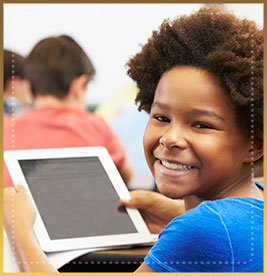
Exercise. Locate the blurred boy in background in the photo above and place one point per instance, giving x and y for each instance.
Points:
(59, 72)
(17, 89)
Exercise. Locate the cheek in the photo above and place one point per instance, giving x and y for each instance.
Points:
(146, 141)
(218, 152)
(149, 143)
(208, 150)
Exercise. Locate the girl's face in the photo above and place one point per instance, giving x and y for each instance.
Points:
(192, 143)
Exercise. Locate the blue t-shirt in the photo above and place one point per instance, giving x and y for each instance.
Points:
(224, 235)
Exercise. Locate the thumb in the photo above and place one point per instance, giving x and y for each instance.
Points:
(20, 188)
(139, 199)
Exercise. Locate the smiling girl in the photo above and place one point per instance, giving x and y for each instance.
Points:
(200, 78)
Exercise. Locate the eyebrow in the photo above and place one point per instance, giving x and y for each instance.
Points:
(194, 111)
(159, 105)
(207, 113)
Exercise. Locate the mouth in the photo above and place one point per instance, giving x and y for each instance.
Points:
(175, 165)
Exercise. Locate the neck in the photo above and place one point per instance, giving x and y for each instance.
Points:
(52, 101)
(244, 187)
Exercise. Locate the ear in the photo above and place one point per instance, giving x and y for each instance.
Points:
(78, 86)
(255, 152)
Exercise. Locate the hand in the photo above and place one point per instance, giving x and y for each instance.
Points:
(19, 211)
(19, 217)
(156, 209)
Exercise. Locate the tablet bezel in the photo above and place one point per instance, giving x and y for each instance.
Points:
(143, 235)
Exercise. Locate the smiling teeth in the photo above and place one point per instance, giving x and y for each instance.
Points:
(174, 166)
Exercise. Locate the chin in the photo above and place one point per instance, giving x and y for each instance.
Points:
(169, 193)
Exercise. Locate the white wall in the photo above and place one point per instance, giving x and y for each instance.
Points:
(109, 33)
(250, 11)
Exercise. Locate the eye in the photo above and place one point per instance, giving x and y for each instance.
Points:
(203, 125)
(161, 118)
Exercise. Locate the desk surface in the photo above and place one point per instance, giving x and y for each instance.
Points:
(119, 260)
(140, 250)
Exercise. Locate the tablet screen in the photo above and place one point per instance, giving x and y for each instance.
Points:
(75, 197)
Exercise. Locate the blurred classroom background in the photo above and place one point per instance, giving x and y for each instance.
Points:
(110, 34)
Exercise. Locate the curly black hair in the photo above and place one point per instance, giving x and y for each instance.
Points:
(229, 48)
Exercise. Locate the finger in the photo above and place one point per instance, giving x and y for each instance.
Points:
(20, 188)
(132, 202)
(127, 203)
(140, 199)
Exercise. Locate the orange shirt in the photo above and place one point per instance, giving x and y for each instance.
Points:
(51, 127)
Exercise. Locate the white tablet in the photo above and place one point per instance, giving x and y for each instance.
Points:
(76, 192)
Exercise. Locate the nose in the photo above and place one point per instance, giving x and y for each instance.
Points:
(173, 138)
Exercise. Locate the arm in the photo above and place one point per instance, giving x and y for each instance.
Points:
(19, 217)
(156, 209)
(144, 268)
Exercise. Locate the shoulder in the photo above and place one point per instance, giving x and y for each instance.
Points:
(12, 120)
(90, 116)
(189, 238)
(211, 232)
(28, 114)
(225, 213)
(214, 224)
(7, 120)
(82, 119)
(199, 228)
(205, 220)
